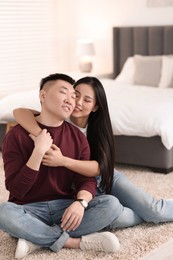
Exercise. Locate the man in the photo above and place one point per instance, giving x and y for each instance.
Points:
(53, 207)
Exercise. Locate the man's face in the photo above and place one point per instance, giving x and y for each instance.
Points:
(58, 99)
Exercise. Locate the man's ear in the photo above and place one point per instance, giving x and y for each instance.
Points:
(42, 95)
(95, 108)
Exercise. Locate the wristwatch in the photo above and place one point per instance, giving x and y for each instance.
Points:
(84, 203)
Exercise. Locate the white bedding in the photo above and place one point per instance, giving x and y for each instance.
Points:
(134, 110)
(27, 99)
(141, 110)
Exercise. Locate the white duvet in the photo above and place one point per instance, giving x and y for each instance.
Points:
(134, 110)
(141, 110)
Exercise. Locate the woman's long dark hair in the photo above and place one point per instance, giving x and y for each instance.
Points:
(100, 134)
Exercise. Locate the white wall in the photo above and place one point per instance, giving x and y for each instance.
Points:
(94, 19)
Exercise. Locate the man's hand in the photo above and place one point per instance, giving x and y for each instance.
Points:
(53, 157)
(72, 216)
(43, 141)
(42, 144)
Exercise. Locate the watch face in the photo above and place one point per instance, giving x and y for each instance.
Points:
(85, 204)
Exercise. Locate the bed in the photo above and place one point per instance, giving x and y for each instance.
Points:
(153, 41)
(132, 96)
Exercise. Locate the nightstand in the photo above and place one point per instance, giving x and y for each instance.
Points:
(9, 125)
(2, 131)
(4, 128)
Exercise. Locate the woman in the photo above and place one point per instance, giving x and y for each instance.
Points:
(91, 115)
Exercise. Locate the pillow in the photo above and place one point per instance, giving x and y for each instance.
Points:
(127, 73)
(166, 80)
(147, 70)
(27, 99)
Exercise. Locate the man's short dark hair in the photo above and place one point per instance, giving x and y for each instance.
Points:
(56, 76)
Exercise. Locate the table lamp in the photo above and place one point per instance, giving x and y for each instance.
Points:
(85, 51)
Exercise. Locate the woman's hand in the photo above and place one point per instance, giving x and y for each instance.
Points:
(53, 157)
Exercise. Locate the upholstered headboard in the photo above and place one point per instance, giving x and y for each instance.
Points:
(144, 40)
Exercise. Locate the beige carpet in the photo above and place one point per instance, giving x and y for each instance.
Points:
(135, 242)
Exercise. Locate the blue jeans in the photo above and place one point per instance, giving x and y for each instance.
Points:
(40, 222)
(144, 206)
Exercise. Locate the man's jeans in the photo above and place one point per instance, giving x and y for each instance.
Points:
(40, 222)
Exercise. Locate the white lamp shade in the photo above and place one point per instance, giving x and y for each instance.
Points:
(85, 48)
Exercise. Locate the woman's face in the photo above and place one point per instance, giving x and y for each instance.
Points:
(85, 101)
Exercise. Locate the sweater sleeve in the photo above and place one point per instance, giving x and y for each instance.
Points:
(19, 178)
(86, 183)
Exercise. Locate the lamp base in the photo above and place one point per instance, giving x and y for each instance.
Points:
(85, 66)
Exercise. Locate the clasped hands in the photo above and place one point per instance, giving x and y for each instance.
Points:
(52, 156)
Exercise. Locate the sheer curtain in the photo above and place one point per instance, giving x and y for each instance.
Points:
(28, 48)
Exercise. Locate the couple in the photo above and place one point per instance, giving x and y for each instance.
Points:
(56, 206)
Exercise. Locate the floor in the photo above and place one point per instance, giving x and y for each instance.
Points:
(164, 252)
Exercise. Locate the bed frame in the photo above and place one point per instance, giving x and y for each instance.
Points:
(144, 40)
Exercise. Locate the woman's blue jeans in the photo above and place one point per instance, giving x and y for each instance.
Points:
(143, 205)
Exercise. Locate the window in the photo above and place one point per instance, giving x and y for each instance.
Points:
(27, 43)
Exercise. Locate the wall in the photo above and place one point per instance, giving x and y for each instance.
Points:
(94, 19)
